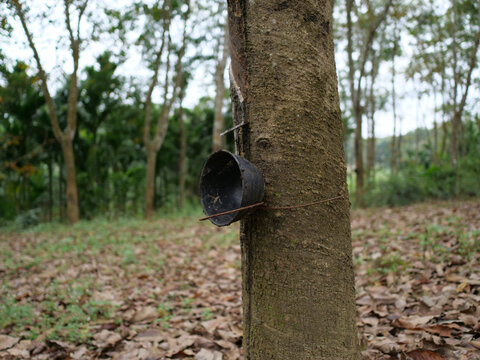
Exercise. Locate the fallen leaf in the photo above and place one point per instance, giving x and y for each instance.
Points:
(462, 286)
(180, 344)
(147, 313)
(153, 335)
(205, 354)
(424, 355)
(79, 353)
(106, 338)
(411, 322)
(442, 330)
(7, 342)
(19, 353)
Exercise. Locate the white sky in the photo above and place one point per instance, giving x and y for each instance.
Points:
(410, 112)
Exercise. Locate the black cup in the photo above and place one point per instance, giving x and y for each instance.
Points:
(229, 182)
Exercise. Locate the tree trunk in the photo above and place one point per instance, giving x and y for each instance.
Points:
(71, 191)
(359, 170)
(435, 129)
(183, 151)
(371, 124)
(298, 283)
(65, 137)
(150, 183)
(218, 122)
(444, 137)
(61, 208)
(371, 150)
(393, 159)
(455, 118)
(50, 186)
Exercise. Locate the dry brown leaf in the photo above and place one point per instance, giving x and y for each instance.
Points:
(424, 355)
(475, 343)
(19, 353)
(372, 321)
(205, 354)
(442, 330)
(106, 338)
(211, 325)
(470, 320)
(462, 286)
(7, 342)
(411, 322)
(61, 344)
(152, 335)
(180, 344)
(387, 346)
(147, 313)
(79, 353)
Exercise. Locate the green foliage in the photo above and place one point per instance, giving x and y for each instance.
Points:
(415, 183)
(399, 189)
(28, 218)
(419, 177)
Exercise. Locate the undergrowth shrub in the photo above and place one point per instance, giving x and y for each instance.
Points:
(414, 183)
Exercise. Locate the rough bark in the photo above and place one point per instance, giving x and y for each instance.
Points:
(218, 122)
(298, 284)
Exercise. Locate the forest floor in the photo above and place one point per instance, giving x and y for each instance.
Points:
(171, 288)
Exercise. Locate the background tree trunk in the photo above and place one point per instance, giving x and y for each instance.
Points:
(70, 174)
(150, 182)
(50, 185)
(298, 284)
(394, 145)
(153, 145)
(65, 137)
(218, 122)
(183, 152)
(359, 170)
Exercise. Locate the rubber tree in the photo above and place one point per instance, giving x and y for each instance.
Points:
(155, 131)
(218, 121)
(298, 282)
(358, 53)
(73, 22)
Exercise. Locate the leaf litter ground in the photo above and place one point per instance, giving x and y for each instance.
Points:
(171, 288)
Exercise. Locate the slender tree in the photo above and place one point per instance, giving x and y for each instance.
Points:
(165, 14)
(459, 106)
(298, 284)
(222, 56)
(394, 144)
(182, 166)
(357, 71)
(64, 137)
